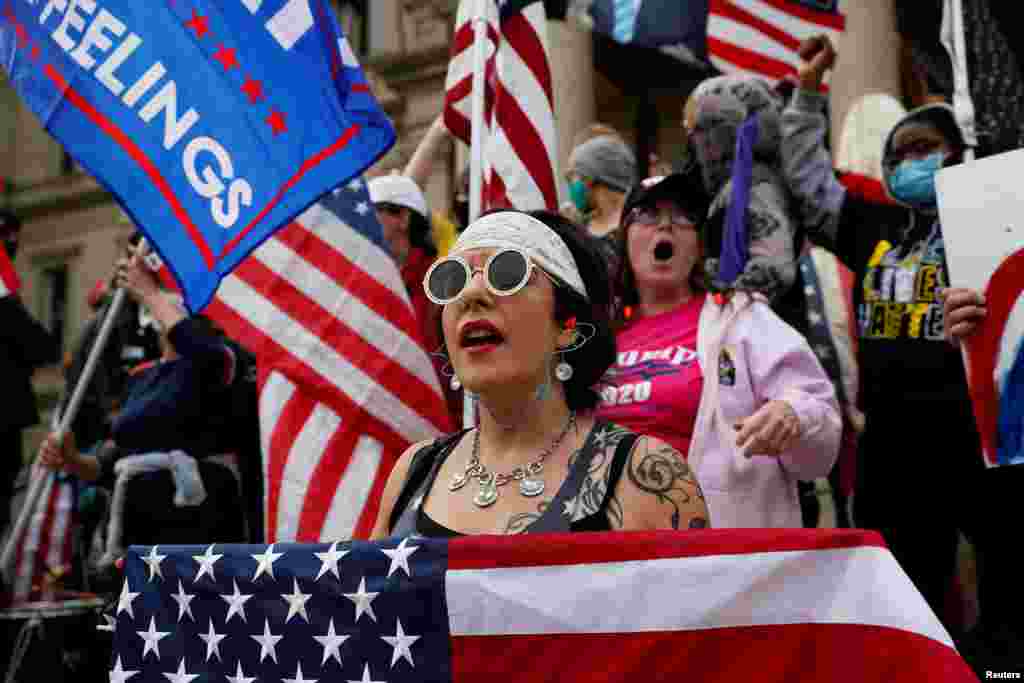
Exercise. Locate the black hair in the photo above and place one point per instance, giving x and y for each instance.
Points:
(591, 361)
(419, 233)
(628, 296)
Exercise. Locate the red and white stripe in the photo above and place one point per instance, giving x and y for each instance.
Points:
(520, 138)
(345, 383)
(9, 281)
(761, 37)
(732, 605)
(47, 540)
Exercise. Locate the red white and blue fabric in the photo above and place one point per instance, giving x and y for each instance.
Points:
(191, 113)
(761, 37)
(46, 543)
(345, 383)
(520, 137)
(995, 365)
(10, 283)
(768, 605)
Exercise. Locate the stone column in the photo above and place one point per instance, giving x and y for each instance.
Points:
(572, 65)
(869, 57)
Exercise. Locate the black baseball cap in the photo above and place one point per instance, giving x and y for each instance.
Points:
(685, 189)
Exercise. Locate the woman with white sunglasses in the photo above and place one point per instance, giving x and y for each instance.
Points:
(720, 378)
(526, 331)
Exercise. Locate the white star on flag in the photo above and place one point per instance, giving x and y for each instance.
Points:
(206, 561)
(331, 641)
(240, 677)
(266, 562)
(119, 675)
(268, 641)
(355, 185)
(298, 676)
(152, 639)
(362, 208)
(366, 676)
(153, 561)
(124, 603)
(296, 602)
(329, 561)
(212, 640)
(180, 676)
(184, 601)
(401, 643)
(400, 557)
(236, 603)
(362, 600)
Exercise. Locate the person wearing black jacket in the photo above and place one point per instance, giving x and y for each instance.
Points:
(24, 346)
(921, 478)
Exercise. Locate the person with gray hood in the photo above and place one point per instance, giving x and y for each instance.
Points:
(601, 171)
(920, 476)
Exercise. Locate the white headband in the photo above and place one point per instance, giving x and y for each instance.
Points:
(520, 231)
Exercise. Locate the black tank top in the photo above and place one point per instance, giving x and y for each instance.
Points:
(409, 519)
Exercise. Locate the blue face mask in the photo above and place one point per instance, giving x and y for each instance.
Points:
(579, 193)
(913, 181)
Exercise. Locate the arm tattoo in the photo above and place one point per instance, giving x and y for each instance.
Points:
(661, 472)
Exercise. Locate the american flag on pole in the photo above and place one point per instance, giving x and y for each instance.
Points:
(765, 605)
(345, 383)
(9, 281)
(46, 544)
(761, 37)
(520, 142)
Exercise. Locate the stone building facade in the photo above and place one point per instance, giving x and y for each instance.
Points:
(73, 230)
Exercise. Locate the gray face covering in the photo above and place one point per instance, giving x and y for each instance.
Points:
(723, 104)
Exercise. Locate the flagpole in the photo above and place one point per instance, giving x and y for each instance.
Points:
(476, 148)
(43, 480)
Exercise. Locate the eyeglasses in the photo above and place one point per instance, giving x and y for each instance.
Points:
(506, 272)
(393, 209)
(649, 215)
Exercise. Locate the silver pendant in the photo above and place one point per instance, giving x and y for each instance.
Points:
(487, 495)
(531, 487)
(459, 480)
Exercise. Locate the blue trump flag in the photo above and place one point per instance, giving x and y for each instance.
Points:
(212, 122)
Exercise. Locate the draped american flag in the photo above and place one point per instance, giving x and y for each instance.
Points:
(345, 383)
(46, 544)
(520, 138)
(767, 605)
(762, 36)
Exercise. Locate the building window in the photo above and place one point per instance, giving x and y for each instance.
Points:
(352, 15)
(55, 304)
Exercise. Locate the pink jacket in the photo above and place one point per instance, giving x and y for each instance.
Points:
(749, 356)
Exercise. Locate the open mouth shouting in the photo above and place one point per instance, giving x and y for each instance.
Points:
(479, 336)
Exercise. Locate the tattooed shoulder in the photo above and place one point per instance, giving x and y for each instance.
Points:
(662, 492)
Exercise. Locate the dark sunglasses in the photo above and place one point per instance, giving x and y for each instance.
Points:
(393, 209)
(506, 272)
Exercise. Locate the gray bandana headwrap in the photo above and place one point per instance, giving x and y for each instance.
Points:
(723, 104)
(608, 160)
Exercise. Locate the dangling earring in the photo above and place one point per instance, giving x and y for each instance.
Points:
(563, 371)
(454, 383)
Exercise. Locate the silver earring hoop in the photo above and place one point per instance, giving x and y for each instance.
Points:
(584, 332)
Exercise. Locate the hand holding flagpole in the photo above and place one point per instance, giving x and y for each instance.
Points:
(43, 480)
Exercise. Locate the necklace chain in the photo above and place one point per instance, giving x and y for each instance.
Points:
(530, 485)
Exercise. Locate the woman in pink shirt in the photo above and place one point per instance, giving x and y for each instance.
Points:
(719, 377)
